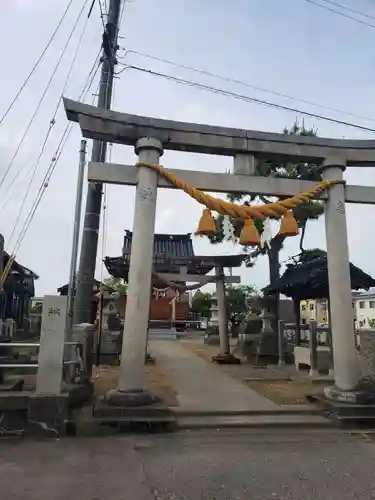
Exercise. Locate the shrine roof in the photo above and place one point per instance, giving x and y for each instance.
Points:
(118, 267)
(165, 245)
(18, 269)
(20, 279)
(309, 280)
(177, 250)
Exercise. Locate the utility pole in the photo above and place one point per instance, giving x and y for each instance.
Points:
(89, 246)
(76, 231)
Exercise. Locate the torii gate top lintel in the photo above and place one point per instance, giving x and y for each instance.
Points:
(122, 128)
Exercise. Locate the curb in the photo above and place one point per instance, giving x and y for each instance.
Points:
(181, 413)
(319, 424)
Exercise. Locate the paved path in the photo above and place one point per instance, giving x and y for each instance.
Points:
(190, 466)
(201, 386)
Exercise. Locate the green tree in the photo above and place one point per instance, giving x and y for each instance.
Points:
(311, 254)
(238, 298)
(118, 284)
(371, 322)
(303, 213)
(201, 304)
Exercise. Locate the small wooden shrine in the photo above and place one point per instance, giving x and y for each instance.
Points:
(308, 279)
(174, 263)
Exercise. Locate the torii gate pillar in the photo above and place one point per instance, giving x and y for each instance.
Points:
(346, 368)
(130, 391)
(223, 312)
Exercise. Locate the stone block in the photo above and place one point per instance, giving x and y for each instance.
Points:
(212, 339)
(78, 394)
(12, 385)
(48, 415)
(13, 423)
(359, 397)
(157, 413)
(366, 355)
(14, 400)
(350, 410)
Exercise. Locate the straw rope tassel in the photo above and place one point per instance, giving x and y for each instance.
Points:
(207, 226)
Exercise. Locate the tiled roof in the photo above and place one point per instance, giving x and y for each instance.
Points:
(18, 268)
(166, 246)
(309, 280)
(119, 266)
(364, 295)
(20, 279)
(171, 251)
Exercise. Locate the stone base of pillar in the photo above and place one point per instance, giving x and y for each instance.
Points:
(139, 397)
(354, 409)
(356, 397)
(129, 408)
(226, 359)
(319, 379)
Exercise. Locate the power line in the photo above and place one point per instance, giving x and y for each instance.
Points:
(246, 98)
(20, 143)
(334, 11)
(101, 13)
(90, 78)
(51, 123)
(87, 85)
(54, 162)
(34, 170)
(122, 13)
(355, 11)
(38, 61)
(244, 84)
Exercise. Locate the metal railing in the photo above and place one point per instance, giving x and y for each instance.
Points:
(26, 345)
(29, 344)
(311, 336)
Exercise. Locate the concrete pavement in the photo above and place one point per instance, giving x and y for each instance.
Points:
(236, 465)
(200, 386)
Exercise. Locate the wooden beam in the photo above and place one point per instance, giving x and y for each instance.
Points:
(113, 173)
(196, 278)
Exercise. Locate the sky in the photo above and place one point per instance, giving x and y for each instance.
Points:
(284, 46)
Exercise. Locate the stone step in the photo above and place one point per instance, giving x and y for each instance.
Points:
(161, 334)
(182, 412)
(10, 385)
(254, 421)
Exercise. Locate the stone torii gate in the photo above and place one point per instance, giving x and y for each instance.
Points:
(150, 137)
